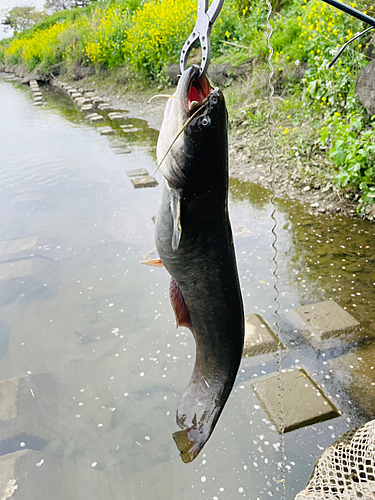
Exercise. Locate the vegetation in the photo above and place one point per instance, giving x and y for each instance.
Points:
(144, 37)
(21, 18)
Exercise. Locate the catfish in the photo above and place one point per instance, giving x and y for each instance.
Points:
(194, 243)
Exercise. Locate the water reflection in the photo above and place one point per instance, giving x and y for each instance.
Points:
(91, 332)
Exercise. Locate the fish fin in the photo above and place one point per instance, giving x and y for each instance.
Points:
(179, 306)
(175, 195)
(152, 259)
(189, 442)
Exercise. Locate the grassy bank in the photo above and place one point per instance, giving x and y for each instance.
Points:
(139, 40)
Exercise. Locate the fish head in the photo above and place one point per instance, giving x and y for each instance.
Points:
(192, 148)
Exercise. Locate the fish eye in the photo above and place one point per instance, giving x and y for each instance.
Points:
(206, 121)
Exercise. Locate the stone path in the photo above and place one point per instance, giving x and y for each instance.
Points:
(37, 94)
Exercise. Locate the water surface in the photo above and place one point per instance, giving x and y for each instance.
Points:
(80, 314)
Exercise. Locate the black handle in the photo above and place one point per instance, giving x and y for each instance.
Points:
(353, 12)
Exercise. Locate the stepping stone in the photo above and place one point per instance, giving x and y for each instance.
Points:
(33, 475)
(86, 108)
(19, 245)
(116, 116)
(105, 107)
(323, 321)
(17, 269)
(34, 87)
(75, 95)
(127, 130)
(106, 131)
(38, 98)
(143, 182)
(38, 93)
(72, 91)
(356, 371)
(90, 94)
(81, 101)
(259, 338)
(92, 115)
(28, 406)
(126, 126)
(139, 172)
(38, 103)
(122, 151)
(97, 100)
(302, 402)
(96, 119)
(33, 82)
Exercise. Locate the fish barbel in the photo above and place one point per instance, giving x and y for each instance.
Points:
(194, 243)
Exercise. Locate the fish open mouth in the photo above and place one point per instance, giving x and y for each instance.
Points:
(198, 90)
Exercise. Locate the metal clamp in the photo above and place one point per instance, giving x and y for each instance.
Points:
(202, 32)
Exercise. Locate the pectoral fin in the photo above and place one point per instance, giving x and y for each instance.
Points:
(175, 197)
(152, 259)
(179, 306)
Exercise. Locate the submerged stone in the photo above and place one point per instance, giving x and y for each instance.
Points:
(356, 370)
(18, 245)
(259, 338)
(16, 269)
(33, 475)
(127, 129)
(121, 151)
(143, 182)
(28, 406)
(292, 400)
(324, 320)
(138, 172)
(106, 131)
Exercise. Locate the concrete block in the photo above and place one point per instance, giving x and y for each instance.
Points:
(38, 98)
(37, 93)
(28, 412)
(356, 371)
(86, 108)
(259, 338)
(97, 119)
(127, 130)
(19, 245)
(139, 172)
(97, 100)
(122, 151)
(32, 475)
(38, 103)
(72, 90)
(106, 131)
(90, 94)
(81, 101)
(76, 95)
(324, 320)
(116, 116)
(16, 269)
(143, 182)
(302, 402)
(33, 82)
(105, 107)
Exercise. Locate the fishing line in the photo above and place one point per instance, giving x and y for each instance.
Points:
(271, 131)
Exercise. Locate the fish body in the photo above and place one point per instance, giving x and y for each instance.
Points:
(195, 244)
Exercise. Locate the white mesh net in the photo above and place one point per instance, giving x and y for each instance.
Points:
(346, 469)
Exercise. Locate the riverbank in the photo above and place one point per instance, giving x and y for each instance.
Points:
(302, 175)
(307, 177)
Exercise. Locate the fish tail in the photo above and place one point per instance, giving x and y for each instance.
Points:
(189, 442)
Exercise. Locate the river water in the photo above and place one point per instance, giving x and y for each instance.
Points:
(92, 332)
